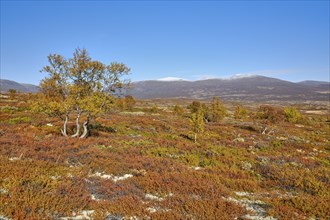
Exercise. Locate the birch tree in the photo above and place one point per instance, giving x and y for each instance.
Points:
(197, 123)
(79, 87)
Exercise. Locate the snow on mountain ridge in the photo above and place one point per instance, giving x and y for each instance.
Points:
(240, 76)
(168, 79)
(236, 76)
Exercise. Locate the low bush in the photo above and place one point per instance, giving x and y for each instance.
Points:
(19, 120)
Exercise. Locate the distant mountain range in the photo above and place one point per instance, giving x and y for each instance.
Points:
(250, 88)
(5, 85)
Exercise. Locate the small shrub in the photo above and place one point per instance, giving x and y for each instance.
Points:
(130, 102)
(205, 162)
(196, 106)
(270, 114)
(19, 120)
(163, 151)
(240, 112)
(292, 114)
(8, 109)
(120, 103)
(192, 159)
(126, 103)
(217, 111)
(99, 127)
(276, 144)
(12, 93)
(197, 123)
(178, 110)
(154, 109)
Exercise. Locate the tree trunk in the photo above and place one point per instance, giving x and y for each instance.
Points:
(195, 137)
(206, 120)
(64, 125)
(78, 125)
(85, 125)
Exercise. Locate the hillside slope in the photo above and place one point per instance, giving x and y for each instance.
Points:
(255, 88)
(6, 85)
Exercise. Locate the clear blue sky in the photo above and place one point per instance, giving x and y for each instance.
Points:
(186, 39)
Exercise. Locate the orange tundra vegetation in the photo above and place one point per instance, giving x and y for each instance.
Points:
(140, 163)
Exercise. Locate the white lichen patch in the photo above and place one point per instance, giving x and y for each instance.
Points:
(149, 196)
(112, 177)
(94, 197)
(153, 197)
(251, 205)
(255, 217)
(3, 191)
(196, 168)
(157, 209)
(151, 209)
(197, 197)
(255, 206)
(243, 194)
(83, 215)
(119, 178)
(54, 177)
(14, 158)
(4, 218)
(4, 96)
